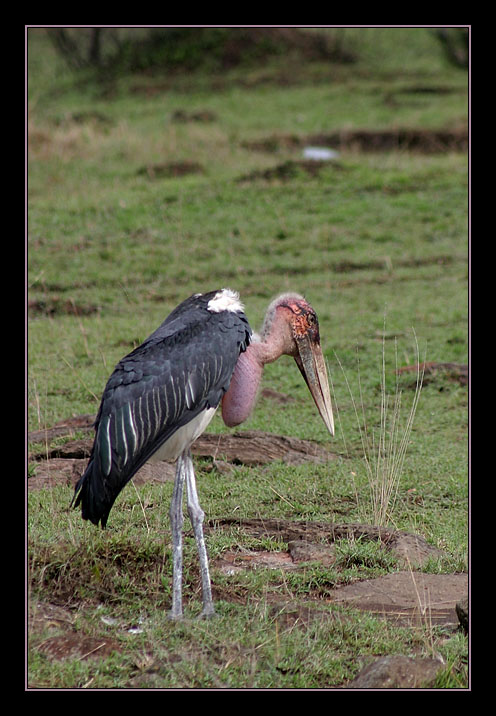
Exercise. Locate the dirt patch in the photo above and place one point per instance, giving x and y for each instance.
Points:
(75, 449)
(255, 447)
(76, 646)
(275, 143)
(58, 471)
(169, 170)
(52, 633)
(55, 472)
(64, 464)
(232, 562)
(60, 307)
(85, 117)
(408, 598)
(422, 141)
(182, 116)
(45, 616)
(64, 428)
(288, 170)
(410, 549)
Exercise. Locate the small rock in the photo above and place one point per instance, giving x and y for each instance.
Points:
(223, 467)
(413, 550)
(302, 551)
(234, 561)
(397, 672)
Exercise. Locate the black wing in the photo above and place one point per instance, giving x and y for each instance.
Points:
(182, 369)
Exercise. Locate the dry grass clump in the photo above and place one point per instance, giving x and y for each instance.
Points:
(72, 137)
(385, 447)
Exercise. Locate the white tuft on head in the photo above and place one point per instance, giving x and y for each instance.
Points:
(225, 300)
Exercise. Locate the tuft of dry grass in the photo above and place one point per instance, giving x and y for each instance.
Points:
(384, 448)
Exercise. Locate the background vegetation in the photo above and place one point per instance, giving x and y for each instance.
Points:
(163, 164)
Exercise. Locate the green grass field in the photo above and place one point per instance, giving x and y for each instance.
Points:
(119, 233)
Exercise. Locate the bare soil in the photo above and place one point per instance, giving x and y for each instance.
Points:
(423, 141)
(55, 306)
(408, 597)
(166, 170)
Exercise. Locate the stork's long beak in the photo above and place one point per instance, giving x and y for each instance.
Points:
(310, 361)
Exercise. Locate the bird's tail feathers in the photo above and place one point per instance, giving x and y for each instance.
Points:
(91, 494)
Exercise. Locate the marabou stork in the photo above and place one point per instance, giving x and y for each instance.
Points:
(162, 396)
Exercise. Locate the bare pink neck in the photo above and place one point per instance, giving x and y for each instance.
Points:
(239, 400)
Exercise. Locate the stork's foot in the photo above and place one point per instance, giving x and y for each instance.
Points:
(174, 616)
(208, 612)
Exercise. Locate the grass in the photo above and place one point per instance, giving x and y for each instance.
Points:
(111, 252)
(384, 449)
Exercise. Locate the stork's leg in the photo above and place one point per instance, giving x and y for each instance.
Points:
(196, 516)
(176, 518)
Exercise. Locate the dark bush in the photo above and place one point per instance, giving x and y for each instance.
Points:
(188, 49)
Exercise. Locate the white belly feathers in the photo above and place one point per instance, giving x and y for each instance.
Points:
(183, 437)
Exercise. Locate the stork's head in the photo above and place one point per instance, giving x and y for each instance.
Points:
(294, 319)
